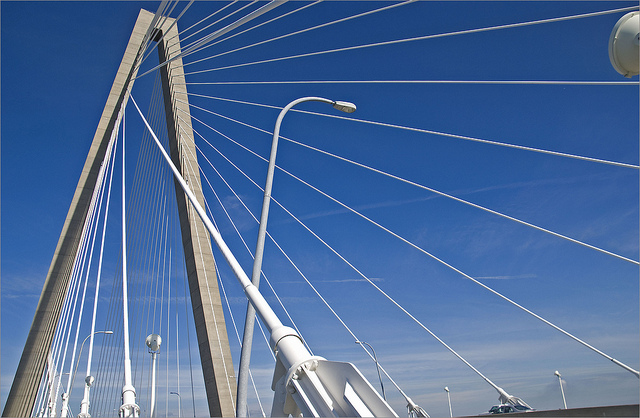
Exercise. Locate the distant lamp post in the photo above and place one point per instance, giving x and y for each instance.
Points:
(375, 358)
(153, 342)
(179, 403)
(109, 332)
(65, 403)
(564, 401)
(247, 338)
(446, 389)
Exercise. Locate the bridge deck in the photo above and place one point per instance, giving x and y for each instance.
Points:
(597, 411)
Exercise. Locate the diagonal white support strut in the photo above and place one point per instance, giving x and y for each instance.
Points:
(303, 383)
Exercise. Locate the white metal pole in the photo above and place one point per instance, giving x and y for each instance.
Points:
(179, 403)
(129, 407)
(75, 370)
(247, 338)
(153, 383)
(284, 340)
(564, 401)
(446, 389)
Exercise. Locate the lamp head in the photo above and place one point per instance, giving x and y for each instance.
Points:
(108, 332)
(557, 373)
(623, 45)
(153, 341)
(446, 388)
(346, 107)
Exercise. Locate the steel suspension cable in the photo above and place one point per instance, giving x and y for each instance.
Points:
(304, 6)
(314, 289)
(165, 32)
(240, 235)
(208, 38)
(180, 33)
(208, 26)
(64, 326)
(194, 172)
(441, 261)
(466, 202)
(104, 169)
(426, 131)
(220, 277)
(420, 38)
(302, 30)
(112, 148)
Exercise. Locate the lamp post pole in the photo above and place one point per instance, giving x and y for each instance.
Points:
(179, 403)
(153, 342)
(446, 389)
(564, 401)
(65, 402)
(247, 338)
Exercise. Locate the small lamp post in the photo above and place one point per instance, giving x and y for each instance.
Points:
(153, 342)
(446, 389)
(564, 401)
(179, 403)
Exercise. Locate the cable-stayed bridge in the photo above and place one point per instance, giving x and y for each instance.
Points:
(442, 209)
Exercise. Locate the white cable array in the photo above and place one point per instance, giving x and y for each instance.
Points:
(238, 232)
(180, 33)
(165, 32)
(419, 38)
(208, 38)
(69, 308)
(425, 131)
(102, 181)
(539, 228)
(293, 264)
(191, 215)
(199, 41)
(247, 30)
(297, 32)
(441, 261)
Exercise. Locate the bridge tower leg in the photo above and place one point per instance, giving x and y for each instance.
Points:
(211, 331)
(213, 343)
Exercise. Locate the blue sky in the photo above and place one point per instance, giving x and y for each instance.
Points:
(58, 63)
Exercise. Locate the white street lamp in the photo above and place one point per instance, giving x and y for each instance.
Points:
(247, 339)
(65, 402)
(153, 342)
(179, 403)
(446, 389)
(564, 401)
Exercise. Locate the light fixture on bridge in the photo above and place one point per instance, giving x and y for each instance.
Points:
(564, 401)
(153, 342)
(624, 44)
(247, 341)
(346, 107)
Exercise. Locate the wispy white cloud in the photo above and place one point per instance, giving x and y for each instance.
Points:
(515, 277)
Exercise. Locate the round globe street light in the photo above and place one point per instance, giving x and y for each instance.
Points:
(446, 389)
(564, 401)
(623, 45)
(247, 338)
